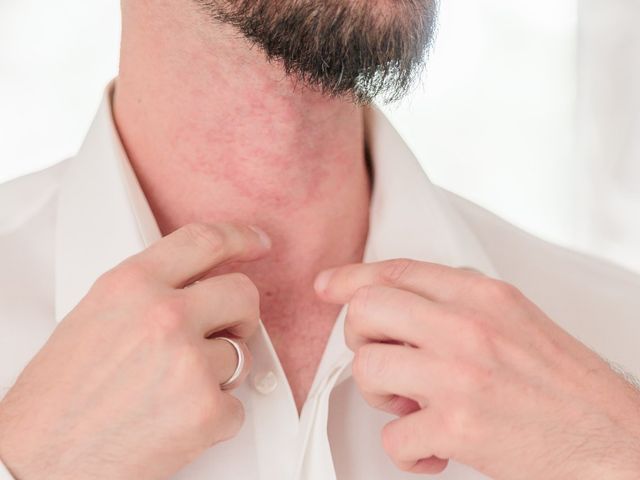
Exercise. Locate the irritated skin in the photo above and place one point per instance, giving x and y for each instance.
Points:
(217, 133)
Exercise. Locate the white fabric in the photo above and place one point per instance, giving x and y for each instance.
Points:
(4, 473)
(608, 120)
(62, 227)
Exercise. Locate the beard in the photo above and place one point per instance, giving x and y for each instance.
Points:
(361, 49)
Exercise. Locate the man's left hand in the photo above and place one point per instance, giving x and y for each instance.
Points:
(478, 374)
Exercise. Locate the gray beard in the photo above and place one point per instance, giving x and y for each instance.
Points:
(355, 48)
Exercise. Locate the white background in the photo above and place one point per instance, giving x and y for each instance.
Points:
(521, 109)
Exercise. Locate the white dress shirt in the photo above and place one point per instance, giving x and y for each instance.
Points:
(608, 125)
(62, 227)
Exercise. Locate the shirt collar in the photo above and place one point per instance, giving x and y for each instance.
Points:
(103, 216)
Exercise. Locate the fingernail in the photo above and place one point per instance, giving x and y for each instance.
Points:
(264, 238)
(322, 280)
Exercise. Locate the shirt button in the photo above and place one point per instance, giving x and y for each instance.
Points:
(265, 383)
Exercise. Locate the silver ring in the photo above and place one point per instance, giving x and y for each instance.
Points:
(239, 367)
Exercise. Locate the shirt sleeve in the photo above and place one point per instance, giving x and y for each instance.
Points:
(4, 473)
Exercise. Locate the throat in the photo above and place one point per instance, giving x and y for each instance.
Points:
(217, 133)
(317, 215)
(300, 340)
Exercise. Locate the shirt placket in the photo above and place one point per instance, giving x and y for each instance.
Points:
(291, 447)
(275, 414)
(314, 460)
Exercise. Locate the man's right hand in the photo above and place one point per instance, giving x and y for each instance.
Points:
(128, 385)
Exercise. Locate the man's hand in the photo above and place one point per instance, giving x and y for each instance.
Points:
(128, 386)
(479, 374)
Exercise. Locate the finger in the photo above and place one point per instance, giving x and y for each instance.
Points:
(430, 466)
(392, 404)
(228, 302)
(191, 251)
(383, 372)
(229, 418)
(436, 282)
(223, 359)
(418, 442)
(382, 314)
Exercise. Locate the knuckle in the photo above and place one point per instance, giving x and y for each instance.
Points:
(499, 291)
(232, 414)
(237, 415)
(203, 413)
(167, 315)
(197, 400)
(208, 237)
(389, 440)
(477, 332)
(126, 277)
(472, 271)
(247, 291)
(244, 286)
(459, 422)
(394, 441)
(368, 363)
(352, 328)
(360, 301)
(393, 271)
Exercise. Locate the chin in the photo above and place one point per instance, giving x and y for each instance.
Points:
(361, 49)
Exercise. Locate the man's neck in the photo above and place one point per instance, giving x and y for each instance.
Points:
(214, 133)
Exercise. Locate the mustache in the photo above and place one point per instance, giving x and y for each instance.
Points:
(345, 48)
